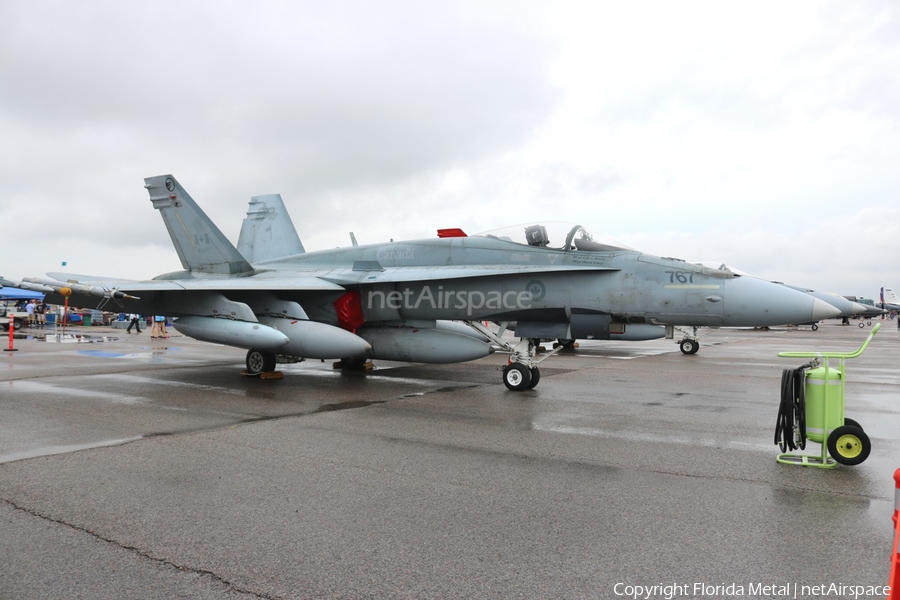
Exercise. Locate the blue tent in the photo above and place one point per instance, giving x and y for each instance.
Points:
(10, 293)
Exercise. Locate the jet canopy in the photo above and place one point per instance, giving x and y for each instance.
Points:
(555, 234)
(720, 266)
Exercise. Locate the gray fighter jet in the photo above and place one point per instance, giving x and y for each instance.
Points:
(398, 300)
(871, 310)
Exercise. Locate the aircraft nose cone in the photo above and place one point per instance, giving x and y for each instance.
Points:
(752, 302)
(823, 310)
(858, 308)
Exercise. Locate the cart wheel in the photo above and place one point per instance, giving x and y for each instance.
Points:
(849, 445)
(815, 326)
(852, 423)
(861, 324)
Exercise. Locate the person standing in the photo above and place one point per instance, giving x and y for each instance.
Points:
(134, 321)
(39, 309)
(159, 328)
(29, 308)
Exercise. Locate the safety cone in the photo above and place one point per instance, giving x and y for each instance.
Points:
(12, 328)
(894, 580)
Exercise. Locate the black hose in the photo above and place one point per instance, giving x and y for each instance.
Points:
(792, 410)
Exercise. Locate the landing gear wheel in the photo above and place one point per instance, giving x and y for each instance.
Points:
(689, 346)
(535, 378)
(567, 344)
(516, 377)
(815, 327)
(861, 324)
(849, 445)
(260, 362)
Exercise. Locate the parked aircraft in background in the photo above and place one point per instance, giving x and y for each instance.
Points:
(888, 300)
(394, 301)
(871, 310)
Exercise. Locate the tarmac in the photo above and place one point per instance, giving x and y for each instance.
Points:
(139, 468)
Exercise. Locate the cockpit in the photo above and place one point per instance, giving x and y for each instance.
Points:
(557, 235)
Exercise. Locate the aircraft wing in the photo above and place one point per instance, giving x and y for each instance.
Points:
(373, 273)
(363, 272)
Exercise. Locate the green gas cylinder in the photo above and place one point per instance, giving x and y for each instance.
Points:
(824, 403)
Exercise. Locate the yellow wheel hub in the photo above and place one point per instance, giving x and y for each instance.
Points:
(849, 446)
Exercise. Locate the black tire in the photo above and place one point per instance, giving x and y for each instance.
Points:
(516, 377)
(861, 324)
(815, 327)
(17, 324)
(567, 344)
(535, 378)
(849, 445)
(689, 346)
(852, 423)
(260, 362)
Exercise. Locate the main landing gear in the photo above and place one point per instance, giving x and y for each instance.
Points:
(521, 373)
(517, 377)
(690, 344)
(260, 362)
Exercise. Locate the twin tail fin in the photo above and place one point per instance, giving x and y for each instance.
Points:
(201, 246)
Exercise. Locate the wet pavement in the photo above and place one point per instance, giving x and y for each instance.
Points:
(138, 468)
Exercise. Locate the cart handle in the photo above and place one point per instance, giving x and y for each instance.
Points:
(859, 351)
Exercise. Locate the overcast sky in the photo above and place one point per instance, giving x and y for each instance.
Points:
(763, 134)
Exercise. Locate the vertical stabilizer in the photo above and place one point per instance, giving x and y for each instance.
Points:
(199, 243)
(268, 231)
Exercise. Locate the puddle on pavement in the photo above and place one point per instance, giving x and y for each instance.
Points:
(76, 338)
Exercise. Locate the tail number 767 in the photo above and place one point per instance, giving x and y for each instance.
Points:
(680, 276)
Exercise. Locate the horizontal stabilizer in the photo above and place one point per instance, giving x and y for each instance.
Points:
(78, 278)
(221, 284)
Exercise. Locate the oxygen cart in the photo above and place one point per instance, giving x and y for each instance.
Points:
(812, 407)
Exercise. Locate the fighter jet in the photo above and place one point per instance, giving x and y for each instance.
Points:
(870, 309)
(847, 308)
(397, 301)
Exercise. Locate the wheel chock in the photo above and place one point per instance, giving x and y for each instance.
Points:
(565, 347)
(263, 375)
(366, 366)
